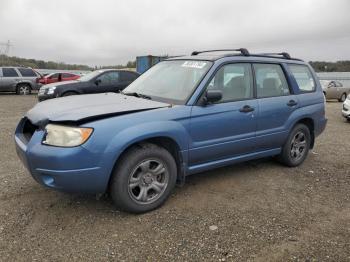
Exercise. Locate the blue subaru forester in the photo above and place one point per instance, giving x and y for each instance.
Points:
(183, 116)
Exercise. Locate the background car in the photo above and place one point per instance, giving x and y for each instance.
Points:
(57, 77)
(99, 81)
(335, 90)
(346, 108)
(21, 80)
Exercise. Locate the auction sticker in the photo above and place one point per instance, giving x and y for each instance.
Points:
(194, 64)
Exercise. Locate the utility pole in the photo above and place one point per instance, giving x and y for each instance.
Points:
(4, 50)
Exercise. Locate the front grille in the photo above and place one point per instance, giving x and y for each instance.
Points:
(28, 130)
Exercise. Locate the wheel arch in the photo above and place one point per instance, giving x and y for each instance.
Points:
(309, 122)
(24, 83)
(166, 142)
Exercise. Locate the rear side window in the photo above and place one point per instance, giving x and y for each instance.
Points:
(66, 75)
(9, 72)
(303, 77)
(270, 80)
(127, 76)
(26, 72)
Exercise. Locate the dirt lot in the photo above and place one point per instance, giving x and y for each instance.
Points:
(263, 211)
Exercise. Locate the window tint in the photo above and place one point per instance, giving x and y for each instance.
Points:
(338, 84)
(109, 77)
(270, 80)
(9, 72)
(54, 76)
(27, 72)
(235, 82)
(303, 77)
(66, 75)
(127, 76)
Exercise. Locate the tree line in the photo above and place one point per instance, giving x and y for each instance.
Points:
(319, 66)
(33, 63)
(339, 66)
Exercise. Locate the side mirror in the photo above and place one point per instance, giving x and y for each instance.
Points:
(212, 96)
(98, 81)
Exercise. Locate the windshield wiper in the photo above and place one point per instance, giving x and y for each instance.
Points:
(137, 95)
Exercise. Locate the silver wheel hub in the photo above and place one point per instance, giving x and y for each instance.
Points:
(298, 146)
(148, 181)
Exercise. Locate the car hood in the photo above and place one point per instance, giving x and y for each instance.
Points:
(83, 108)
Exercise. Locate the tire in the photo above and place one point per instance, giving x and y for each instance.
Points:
(69, 94)
(137, 184)
(342, 98)
(293, 152)
(23, 89)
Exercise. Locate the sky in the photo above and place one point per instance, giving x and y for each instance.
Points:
(110, 32)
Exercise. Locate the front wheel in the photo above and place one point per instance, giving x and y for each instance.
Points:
(342, 98)
(143, 179)
(297, 146)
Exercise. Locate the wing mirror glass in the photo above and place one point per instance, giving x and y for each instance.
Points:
(212, 96)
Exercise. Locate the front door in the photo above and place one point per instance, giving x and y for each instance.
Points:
(226, 128)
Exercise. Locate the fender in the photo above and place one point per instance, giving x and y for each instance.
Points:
(170, 129)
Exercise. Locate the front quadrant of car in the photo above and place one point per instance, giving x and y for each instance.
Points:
(74, 169)
(346, 108)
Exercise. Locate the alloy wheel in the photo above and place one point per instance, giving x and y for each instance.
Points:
(148, 181)
(298, 146)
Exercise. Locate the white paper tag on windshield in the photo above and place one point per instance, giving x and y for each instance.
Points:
(194, 64)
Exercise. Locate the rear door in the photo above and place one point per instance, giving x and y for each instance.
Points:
(276, 103)
(9, 79)
(227, 128)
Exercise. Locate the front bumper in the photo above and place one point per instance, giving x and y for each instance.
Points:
(346, 109)
(45, 97)
(74, 169)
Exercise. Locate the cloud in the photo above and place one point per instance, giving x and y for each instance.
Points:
(110, 32)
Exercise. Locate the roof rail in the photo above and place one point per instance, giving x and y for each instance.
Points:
(243, 51)
(284, 54)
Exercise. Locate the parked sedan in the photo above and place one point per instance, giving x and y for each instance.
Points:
(346, 108)
(335, 90)
(99, 81)
(57, 77)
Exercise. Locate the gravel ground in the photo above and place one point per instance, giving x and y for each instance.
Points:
(256, 211)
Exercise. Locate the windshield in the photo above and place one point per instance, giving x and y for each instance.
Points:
(90, 76)
(170, 81)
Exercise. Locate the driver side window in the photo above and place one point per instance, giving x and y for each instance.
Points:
(109, 78)
(234, 81)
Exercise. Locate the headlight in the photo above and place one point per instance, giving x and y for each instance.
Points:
(51, 90)
(65, 136)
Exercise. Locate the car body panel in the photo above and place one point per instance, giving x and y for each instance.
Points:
(346, 108)
(9, 84)
(86, 87)
(334, 89)
(206, 136)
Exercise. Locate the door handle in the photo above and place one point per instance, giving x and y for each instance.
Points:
(292, 103)
(246, 109)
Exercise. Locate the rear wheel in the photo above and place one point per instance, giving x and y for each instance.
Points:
(297, 146)
(342, 98)
(143, 179)
(23, 89)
